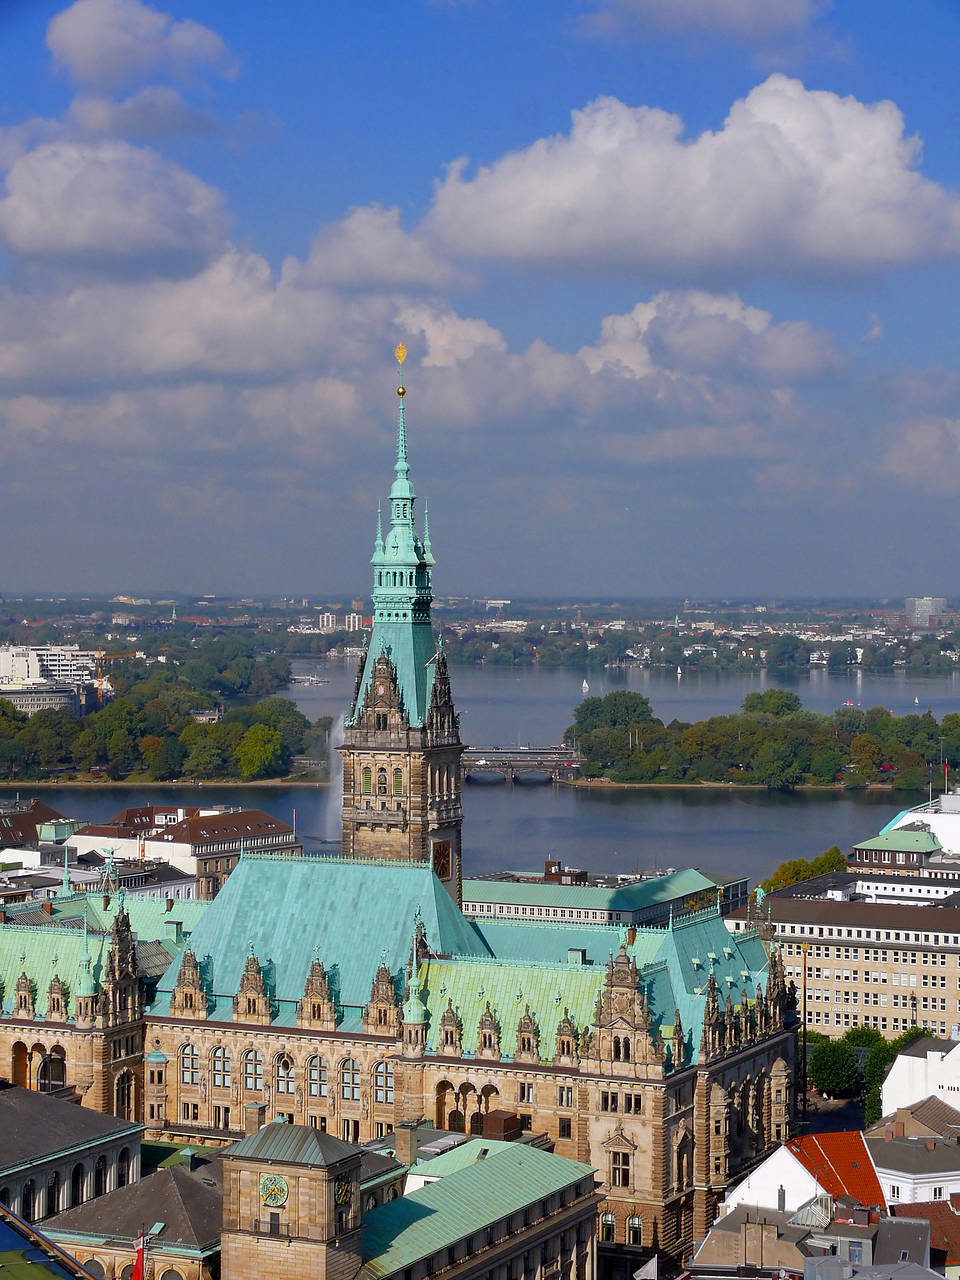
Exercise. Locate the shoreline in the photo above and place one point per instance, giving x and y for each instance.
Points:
(727, 787)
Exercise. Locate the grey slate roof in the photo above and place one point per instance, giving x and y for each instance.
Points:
(282, 1143)
(896, 1235)
(189, 1204)
(34, 1126)
(914, 1155)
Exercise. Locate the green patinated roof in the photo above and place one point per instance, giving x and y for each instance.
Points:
(418, 1225)
(347, 913)
(149, 918)
(509, 988)
(628, 897)
(282, 1143)
(42, 953)
(676, 982)
(906, 841)
(401, 598)
(457, 1158)
(550, 943)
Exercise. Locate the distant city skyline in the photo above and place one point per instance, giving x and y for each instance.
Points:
(676, 278)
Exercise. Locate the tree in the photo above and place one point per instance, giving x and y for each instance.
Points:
(772, 702)
(260, 752)
(86, 749)
(833, 1069)
(617, 710)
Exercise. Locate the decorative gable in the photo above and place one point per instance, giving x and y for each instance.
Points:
(449, 1042)
(528, 1038)
(189, 999)
(488, 1036)
(24, 1005)
(316, 1008)
(381, 1015)
(251, 1003)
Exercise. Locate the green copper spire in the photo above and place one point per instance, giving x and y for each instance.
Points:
(402, 591)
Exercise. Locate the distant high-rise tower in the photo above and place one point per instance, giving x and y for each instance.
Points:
(401, 748)
(921, 609)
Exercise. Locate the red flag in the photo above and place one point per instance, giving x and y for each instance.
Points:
(137, 1273)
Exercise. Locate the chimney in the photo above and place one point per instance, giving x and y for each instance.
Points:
(254, 1116)
(169, 904)
(898, 1130)
(781, 1199)
(106, 901)
(47, 907)
(631, 935)
(930, 1144)
(407, 1142)
(188, 1158)
(173, 931)
(888, 1135)
(3, 917)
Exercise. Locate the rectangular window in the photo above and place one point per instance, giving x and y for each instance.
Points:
(566, 1127)
(620, 1169)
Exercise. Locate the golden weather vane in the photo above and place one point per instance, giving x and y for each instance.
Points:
(400, 351)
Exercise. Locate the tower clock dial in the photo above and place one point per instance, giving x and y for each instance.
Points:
(273, 1190)
(342, 1191)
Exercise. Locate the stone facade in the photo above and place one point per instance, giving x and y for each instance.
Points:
(90, 1036)
(402, 783)
(667, 1134)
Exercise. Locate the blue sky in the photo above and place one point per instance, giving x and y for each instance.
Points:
(677, 279)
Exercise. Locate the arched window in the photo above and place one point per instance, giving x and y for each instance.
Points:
(28, 1201)
(350, 1080)
(252, 1071)
(53, 1193)
(189, 1064)
(283, 1074)
(95, 1268)
(123, 1167)
(634, 1231)
(317, 1077)
(100, 1176)
(625, 1044)
(170, 1274)
(123, 1096)
(127, 1272)
(366, 785)
(53, 1072)
(608, 1224)
(398, 782)
(383, 1082)
(220, 1061)
(381, 782)
(77, 1180)
(616, 1048)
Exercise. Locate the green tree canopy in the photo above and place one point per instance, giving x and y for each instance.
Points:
(260, 752)
(833, 1069)
(772, 702)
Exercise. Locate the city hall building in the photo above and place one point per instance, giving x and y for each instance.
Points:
(352, 994)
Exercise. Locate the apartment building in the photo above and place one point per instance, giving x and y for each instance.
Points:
(886, 965)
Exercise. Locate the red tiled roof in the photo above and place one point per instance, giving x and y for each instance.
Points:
(944, 1219)
(841, 1164)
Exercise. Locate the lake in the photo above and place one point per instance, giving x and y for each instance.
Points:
(603, 829)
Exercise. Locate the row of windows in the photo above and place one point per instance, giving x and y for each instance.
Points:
(877, 935)
(366, 782)
(285, 1073)
(828, 951)
(539, 913)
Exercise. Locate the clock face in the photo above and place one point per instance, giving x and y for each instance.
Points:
(273, 1190)
(342, 1191)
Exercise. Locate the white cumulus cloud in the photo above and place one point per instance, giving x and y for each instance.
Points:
(152, 114)
(115, 42)
(797, 182)
(108, 206)
(370, 248)
(693, 332)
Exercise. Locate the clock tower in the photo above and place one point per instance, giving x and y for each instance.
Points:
(291, 1205)
(401, 748)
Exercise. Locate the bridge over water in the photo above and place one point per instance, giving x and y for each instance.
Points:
(558, 764)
